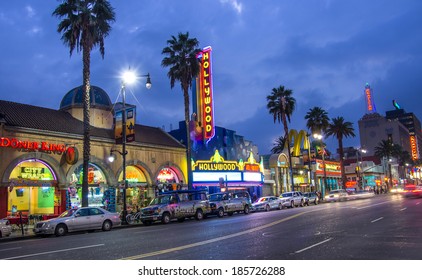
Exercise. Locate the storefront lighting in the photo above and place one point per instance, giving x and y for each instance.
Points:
(128, 77)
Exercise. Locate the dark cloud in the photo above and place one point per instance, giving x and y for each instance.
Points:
(325, 51)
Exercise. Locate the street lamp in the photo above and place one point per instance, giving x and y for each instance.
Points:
(128, 77)
(360, 174)
(319, 137)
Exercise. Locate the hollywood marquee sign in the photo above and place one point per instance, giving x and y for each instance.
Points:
(206, 94)
(31, 145)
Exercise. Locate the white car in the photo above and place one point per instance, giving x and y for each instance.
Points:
(85, 218)
(292, 199)
(5, 228)
(336, 195)
(267, 203)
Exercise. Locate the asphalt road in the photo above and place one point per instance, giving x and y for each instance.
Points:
(385, 227)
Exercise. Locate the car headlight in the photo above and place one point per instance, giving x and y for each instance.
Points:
(158, 210)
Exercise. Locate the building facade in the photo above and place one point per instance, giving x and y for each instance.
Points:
(41, 158)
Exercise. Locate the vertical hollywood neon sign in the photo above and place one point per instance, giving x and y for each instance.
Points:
(370, 105)
(206, 94)
(414, 147)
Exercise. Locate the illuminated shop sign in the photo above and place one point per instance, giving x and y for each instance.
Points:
(414, 147)
(31, 145)
(252, 177)
(206, 93)
(330, 166)
(215, 176)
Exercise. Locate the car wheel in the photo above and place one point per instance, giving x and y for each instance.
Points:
(165, 219)
(220, 213)
(302, 203)
(61, 230)
(106, 226)
(292, 204)
(199, 215)
(280, 206)
(246, 209)
(267, 208)
(307, 203)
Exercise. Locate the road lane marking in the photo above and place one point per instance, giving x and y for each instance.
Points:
(403, 209)
(373, 205)
(51, 252)
(309, 247)
(376, 220)
(8, 249)
(165, 251)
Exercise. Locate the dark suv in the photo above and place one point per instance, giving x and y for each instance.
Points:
(176, 205)
(230, 202)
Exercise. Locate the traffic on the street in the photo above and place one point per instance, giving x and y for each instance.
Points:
(379, 227)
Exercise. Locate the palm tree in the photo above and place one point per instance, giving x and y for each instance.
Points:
(317, 120)
(84, 25)
(339, 129)
(279, 145)
(184, 67)
(281, 105)
(387, 149)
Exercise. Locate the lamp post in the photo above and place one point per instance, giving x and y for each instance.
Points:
(360, 174)
(319, 137)
(309, 161)
(127, 78)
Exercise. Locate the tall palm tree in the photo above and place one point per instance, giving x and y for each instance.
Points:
(317, 120)
(181, 54)
(281, 105)
(387, 149)
(84, 25)
(339, 129)
(279, 145)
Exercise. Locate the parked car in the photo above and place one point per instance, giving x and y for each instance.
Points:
(292, 199)
(412, 191)
(267, 203)
(336, 195)
(84, 218)
(5, 228)
(176, 205)
(230, 202)
(312, 198)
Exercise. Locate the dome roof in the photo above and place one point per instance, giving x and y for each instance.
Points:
(98, 98)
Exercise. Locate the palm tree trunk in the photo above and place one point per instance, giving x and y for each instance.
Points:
(343, 172)
(286, 131)
(86, 120)
(188, 142)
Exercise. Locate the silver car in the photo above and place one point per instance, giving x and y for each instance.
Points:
(336, 195)
(292, 199)
(267, 203)
(5, 228)
(230, 202)
(85, 218)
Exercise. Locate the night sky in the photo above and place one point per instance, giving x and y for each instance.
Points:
(325, 51)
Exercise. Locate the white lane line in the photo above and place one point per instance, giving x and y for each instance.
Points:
(8, 249)
(51, 252)
(317, 244)
(373, 205)
(376, 220)
(403, 209)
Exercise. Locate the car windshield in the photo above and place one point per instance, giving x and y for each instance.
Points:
(162, 199)
(286, 194)
(216, 197)
(68, 213)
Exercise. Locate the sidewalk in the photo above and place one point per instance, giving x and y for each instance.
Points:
(29, 233)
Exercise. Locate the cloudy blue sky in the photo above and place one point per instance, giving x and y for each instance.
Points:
(324, 50)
